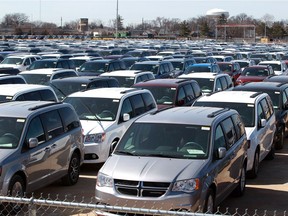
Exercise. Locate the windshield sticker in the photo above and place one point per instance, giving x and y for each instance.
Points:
(21, 120)
(205, 128)
(250, 105)
(115, 100)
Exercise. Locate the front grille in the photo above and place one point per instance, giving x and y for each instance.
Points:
(141, 189)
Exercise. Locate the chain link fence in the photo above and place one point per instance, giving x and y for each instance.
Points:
(45, 206)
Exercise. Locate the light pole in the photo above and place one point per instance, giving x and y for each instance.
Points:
(116, 20)
(40, 11)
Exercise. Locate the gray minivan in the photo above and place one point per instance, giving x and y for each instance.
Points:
(178, 159)
(40, 142)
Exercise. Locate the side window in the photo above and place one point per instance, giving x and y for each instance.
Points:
(266, 108)
(224, 83)
(284, 97)
(32, 96)
(229, 131)
(239, 126)
(126, 108)
(196, 88)
(26, 62)
(113, 83)
(181, 96)
(218, 86)
(116, 66)
(161, 70)
(260, 112)
(229, 81)
(138, 104)
(219, 139)
(70, 119)
(139, 79)
(111, 67)
(150, 76)
(122, 65)
(35, 130)
(189, 92)
(65, 64)
(148, 100)
(52, 124)
(47, 95)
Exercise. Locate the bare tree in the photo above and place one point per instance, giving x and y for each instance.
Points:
(14, 19)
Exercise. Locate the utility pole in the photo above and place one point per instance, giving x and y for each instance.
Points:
(116, 20)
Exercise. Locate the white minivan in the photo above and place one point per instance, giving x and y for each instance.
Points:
(258, 115)
(105, 114)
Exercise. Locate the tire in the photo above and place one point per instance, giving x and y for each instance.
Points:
(254, 172)
(209, 206)
(279, 145)
(240, 189)
(73, 171)
(16, 189)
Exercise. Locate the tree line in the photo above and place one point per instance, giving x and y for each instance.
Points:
(201, 26)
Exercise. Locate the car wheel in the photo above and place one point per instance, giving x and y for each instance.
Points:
(73, 171)
(209, 202)
(16, 189)
(240, 189)
(254, 172)
(280, 143)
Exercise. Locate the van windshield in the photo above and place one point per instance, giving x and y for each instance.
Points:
(95, 109)
(10, 132)
(165, 140)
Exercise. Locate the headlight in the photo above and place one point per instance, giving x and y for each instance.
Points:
(188, 185)
(104, 180)
(96, 138)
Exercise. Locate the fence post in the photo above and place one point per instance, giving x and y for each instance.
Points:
(32, 207)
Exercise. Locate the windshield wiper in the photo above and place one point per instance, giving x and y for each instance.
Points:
(161, 155)
(124, 152)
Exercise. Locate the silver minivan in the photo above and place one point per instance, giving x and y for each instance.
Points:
(178, 159)
(40, 142)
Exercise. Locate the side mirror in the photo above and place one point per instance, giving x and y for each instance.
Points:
(263, 123)
(221, 152)
(126, 117)
(33, 142)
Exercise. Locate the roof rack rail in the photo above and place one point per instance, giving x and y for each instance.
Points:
(128, 90)
(281, 84)
(44, 105)
(213, 114)
(160, 110)
(255, 94)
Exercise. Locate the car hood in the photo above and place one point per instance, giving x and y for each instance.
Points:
(5, 153)
(151, 168)
(251, 78)
(91, 127)
(9, 66)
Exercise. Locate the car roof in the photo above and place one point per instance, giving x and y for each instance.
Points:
(125, 73)
(46, 71)
(12, 89)
(204, 75)
(113, 92)
(261, 85)
(180, 115)
(80, 79)
(22, 109)
(163, 82)
(232, 97)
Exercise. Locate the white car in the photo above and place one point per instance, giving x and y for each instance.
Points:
(210, 82)
(127, 78)
(279, 67)
(105, 114)
(20, 62)
(258, 115)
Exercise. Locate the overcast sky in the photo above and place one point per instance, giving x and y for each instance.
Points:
(135, 11)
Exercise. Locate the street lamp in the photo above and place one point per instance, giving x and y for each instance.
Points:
(117, 20)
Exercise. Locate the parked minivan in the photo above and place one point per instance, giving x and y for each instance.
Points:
(105, 114)
(178, 159)
(40, 142)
